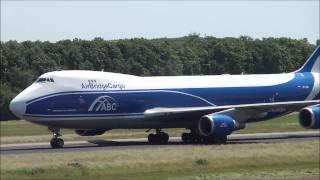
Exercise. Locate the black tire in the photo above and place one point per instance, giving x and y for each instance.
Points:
(56, 143)
(160, 138)
(60, 143)
(221, 139)
(199, 139)
(190, 138)
(53, 143)
(193, 138)
(164, 138)
(151, 138)
(185, 137)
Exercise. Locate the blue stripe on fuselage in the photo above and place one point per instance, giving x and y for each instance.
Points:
(137, 101)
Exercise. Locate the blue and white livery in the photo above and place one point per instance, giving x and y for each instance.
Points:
(212, 107)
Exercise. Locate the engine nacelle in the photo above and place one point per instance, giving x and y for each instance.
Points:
(90, 132)
(309, 117)
(217, 124)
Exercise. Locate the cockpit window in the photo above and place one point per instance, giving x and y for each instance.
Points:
(43, 80)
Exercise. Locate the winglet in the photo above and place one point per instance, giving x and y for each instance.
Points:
(313, 62)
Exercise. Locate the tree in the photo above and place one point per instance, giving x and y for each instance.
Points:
(22, 63)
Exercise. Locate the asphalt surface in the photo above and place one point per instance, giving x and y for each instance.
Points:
(141, 143)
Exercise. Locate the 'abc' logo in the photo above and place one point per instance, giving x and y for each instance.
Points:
(103, 103)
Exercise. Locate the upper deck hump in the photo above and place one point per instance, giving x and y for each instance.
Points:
(218, 80)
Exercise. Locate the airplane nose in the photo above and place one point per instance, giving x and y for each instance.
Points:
(17, 107)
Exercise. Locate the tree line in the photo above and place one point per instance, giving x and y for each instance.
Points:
(23, 62)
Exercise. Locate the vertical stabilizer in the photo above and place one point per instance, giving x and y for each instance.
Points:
(313, 62)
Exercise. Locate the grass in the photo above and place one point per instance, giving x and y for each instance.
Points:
(290, 160)
(23, 131)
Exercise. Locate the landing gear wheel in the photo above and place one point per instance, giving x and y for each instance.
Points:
(196, 137)
(158, 138)
(184, 137)
(221, 140)
(151, 138)
(190, 138)
(187, 138)
(164, 138)
(56, 143)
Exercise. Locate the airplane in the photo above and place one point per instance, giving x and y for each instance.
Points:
(210, 106)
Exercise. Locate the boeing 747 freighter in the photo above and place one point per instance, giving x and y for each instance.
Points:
(211, 107)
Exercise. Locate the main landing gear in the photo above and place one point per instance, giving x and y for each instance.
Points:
(195, 138)
(56, 142)
(190, 138)
(158, 138)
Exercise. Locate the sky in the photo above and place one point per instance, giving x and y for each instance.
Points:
(58, 20)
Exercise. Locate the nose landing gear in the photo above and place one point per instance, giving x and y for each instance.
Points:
(158, 138)
(56, 142)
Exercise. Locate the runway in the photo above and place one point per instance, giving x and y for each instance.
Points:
(141, 143)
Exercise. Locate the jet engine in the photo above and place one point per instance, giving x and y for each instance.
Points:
(216, 124)
(309, 117)
(90, 132)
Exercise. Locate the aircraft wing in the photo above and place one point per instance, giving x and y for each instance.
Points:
(244, 110)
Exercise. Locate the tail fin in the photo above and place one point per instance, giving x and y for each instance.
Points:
(313, 62)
